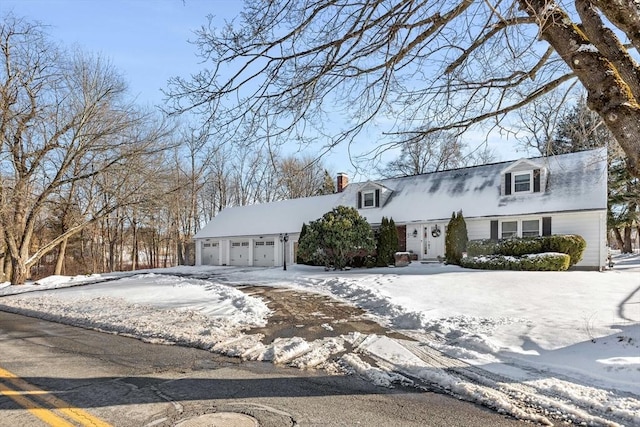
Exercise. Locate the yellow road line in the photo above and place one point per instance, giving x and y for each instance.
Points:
(44, 414)
(77, 414)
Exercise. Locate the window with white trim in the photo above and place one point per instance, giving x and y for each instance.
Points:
(522, 182)
(368, 199)
(531, 228)
(509, 229)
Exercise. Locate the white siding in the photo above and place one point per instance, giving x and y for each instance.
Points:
(592, 227)
(478, 228)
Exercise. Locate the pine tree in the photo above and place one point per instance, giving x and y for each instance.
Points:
(456, 238)
(387, 244)
(303, 232)
(328, 185)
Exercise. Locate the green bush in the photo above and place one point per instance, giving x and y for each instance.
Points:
(482, 247)
(456, 239)
(387, 243)
(551, 261)
(570, 244)
(337, 238)
(522, 246)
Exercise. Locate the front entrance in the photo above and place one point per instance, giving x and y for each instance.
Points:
(433, 241)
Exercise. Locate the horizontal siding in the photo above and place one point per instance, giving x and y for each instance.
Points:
(583, 223)
(590, 225)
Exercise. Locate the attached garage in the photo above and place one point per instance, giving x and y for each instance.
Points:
(239, 253)
(263, 253)
(211, 253)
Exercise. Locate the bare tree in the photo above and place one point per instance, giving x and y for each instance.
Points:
(63, 120)
(427, 65)
(432, 152)
(300, 177)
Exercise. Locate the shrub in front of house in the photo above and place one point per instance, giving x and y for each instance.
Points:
(456, 239)
(337, 238)
(522, 246)
(548, 261)
(481, 247)
(571, 244)
(387, 243)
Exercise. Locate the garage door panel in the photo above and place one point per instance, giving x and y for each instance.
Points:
(239, 253)
(211, 253)
(263, 253)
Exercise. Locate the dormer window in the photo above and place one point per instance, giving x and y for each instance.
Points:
(522, 182)
(368, 199)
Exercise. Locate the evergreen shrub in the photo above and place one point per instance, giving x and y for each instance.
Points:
(548, 261)
(455, 239)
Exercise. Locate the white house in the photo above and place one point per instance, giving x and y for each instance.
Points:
(563, 194)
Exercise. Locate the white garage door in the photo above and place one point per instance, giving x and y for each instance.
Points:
(239, 253)
(263, 252)
(211, 253)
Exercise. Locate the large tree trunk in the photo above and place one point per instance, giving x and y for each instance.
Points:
(19, 271)
(60, 261)
(619, 239)
(608, 94)
(627, 248)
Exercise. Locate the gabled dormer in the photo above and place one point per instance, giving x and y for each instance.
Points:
(372, 195)
(524, 176)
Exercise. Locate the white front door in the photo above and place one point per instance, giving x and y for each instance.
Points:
(433, 241)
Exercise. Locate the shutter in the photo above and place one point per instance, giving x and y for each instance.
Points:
(546, 226)
(377, 200)
(359, 200)
(536, 180)
(494, 230)
(507, 184)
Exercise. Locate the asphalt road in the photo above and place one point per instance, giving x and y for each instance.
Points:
(124, 382)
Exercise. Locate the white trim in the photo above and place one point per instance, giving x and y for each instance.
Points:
(364, 199)
(513, 182)
(519, 225)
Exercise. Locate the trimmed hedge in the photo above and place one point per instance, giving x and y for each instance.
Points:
(548, 261)
(570, 244)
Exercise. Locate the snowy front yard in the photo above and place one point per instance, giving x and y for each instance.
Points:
(541, 346)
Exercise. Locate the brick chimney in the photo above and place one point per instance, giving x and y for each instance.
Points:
(342, 181)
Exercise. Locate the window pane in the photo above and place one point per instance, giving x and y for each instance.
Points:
(368, 199)
(509, 229)
(531, 228)
(522, 182)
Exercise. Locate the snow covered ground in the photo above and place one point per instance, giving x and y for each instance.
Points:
(541, 346)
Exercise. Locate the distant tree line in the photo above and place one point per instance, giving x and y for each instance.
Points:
(91, 182)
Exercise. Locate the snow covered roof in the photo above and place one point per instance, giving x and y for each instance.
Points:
(576, 181)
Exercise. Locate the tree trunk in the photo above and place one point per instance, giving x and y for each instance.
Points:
(607, 93)
(19, 272)
(60, 262)
(627, 248)
(619, 239)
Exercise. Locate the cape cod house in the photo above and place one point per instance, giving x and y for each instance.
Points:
(563, 194)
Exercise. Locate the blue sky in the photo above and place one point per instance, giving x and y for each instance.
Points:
(145, 39)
